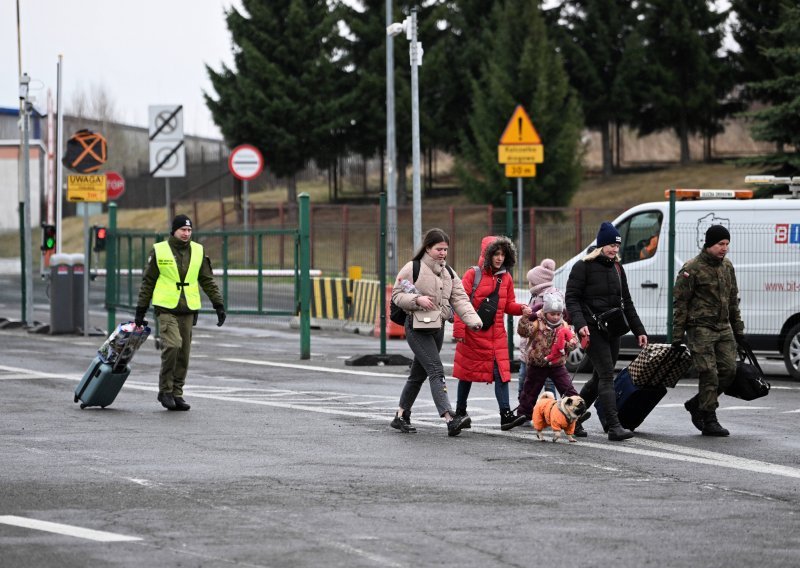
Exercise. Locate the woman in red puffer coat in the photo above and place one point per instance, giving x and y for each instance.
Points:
(482, 356)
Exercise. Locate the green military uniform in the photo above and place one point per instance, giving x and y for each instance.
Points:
(176, 301)
(706, 308)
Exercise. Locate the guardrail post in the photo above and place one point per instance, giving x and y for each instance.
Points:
(305, 279)
(111, 267)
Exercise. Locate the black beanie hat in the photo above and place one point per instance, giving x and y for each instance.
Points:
(180, 221)
(608, 235)
(715, 234)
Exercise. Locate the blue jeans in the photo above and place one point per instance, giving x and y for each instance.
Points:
(500, 392)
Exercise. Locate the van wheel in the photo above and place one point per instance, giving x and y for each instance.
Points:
(577, 359)
(791, 352)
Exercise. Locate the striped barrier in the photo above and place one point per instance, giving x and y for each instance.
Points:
(330, 298)
(366, 301)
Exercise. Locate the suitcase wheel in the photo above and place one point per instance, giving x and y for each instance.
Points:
(75, 399)
(83, 406)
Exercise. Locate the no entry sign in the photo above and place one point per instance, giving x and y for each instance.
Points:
(115, 185)
(246, 162)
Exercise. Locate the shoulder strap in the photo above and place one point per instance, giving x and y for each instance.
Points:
(450, 270)
(476, 280)
(415, 270)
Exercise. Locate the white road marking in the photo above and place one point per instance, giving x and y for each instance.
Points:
(68, 530)
(636, 446)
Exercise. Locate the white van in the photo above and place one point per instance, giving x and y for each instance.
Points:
(764, 250)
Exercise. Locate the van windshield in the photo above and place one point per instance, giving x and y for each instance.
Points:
(639, 236)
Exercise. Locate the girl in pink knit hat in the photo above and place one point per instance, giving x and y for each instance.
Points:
(540, 279)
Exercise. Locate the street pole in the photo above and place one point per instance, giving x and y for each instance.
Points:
(58, 152)
(25, 217)
(520, 264)
(391, 152)
(416, 195)
(245, 218)
(169, 199)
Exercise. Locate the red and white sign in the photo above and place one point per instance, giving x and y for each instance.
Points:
(115, 185)
(246, 162)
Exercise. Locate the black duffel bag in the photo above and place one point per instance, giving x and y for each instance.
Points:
(749, 383)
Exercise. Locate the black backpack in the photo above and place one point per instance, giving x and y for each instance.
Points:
(398, 314)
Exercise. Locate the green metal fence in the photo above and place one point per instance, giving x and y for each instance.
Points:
(260, 272)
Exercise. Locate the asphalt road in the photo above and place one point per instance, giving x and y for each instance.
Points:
(283, 462)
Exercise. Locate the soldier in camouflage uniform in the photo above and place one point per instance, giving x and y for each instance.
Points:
(177, 269)
(706, 309)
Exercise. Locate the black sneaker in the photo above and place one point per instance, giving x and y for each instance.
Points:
(181, 404)
(403, 424)
(167, 400)
(509, 420)
(579, 431)
(457, 424)
(464, 413)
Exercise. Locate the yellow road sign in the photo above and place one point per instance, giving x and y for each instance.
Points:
(520, 129)
(520, 154)
(87, 188)
(520, 170)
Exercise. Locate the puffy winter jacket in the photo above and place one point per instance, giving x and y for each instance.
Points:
(434, 281)
(595, 286)
(476, 354)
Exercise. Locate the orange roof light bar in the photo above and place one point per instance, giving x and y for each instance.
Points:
(711, 193)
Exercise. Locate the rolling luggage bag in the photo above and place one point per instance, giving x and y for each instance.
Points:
(100, 384)
(107, 373)
(633, 403)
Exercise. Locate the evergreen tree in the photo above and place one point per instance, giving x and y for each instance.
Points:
(752, 28)
(780, 122)
(282, 95)
(682, 69)
(601, 49)
(452, 62)
(521, 66)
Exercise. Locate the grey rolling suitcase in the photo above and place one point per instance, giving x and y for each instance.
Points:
(100, 384)
(105, 376)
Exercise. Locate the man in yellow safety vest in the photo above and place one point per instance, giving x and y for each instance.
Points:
(174, 270)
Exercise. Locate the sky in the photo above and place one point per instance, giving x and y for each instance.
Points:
(141, 53)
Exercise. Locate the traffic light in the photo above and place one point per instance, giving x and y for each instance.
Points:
(48, 237)
(99, 239)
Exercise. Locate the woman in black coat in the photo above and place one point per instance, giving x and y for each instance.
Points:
(596, 284)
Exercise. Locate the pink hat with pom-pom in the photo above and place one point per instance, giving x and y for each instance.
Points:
(541, 277)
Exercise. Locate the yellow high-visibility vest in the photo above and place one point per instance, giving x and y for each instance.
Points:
(167, 292)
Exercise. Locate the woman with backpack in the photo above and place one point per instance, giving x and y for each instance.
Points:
(482, 355)
(429, 291)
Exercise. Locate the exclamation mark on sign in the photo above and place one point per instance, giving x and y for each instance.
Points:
(519, 129)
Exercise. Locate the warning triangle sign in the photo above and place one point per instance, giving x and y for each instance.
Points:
(520, 129)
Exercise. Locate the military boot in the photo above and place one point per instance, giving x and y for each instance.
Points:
(711, 426)
(693, 406)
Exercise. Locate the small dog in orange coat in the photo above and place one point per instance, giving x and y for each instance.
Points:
(560, 415)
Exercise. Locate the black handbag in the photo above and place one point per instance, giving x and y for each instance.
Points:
(488, 306)
(612, 322)
(749, 382)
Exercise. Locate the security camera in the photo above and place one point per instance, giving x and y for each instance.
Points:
(394, 29)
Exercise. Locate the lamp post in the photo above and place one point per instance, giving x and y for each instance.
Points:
(391, 154)
(24, 204)
(409, 25)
